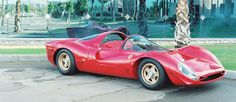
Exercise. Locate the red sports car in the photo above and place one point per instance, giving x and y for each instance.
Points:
(116, 54)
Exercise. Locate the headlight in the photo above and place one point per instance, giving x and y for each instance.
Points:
(187, 71)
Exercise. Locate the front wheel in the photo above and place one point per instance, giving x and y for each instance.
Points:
(151, 74)
(65, 62)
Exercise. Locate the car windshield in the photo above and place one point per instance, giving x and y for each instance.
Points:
(140, 43)
(88, 37)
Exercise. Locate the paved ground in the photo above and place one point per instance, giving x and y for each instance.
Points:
(41, 82)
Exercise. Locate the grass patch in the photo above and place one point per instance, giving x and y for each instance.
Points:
(226, 53)
(22, 51)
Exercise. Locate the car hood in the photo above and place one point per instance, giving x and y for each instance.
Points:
(198, 64)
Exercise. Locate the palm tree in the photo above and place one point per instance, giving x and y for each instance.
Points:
(142, 18)
(69, 9)
(63, 7)
(17, 16)
(2, 13)
(135, 9)
(182, 28)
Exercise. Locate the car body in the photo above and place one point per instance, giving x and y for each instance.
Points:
(108, 54)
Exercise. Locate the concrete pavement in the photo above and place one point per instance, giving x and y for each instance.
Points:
(41, 82)
(25, 57)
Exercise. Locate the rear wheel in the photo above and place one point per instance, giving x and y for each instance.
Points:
(65, 62)
(151, 74)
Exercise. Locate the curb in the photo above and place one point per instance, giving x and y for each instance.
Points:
(230, 74)
(42, 41)
(11, 58)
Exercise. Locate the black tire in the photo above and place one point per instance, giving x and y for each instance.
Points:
(71, 70)
(158, 67)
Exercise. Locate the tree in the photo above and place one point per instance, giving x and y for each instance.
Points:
(17, 16)
(27, 8)
(63, 8)
(2, 13)
(142, 19)
(81, 6)
(51, 8)
(182, 28)
(69, 9)
(103, 2)
(7, 8)
(155, 10)
(191, 11)
(135, 9)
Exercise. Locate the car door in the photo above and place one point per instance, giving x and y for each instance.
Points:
(111, 58)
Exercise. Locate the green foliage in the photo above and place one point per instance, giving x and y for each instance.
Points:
(81, 7)
(70, 6)
(27, 8)
(51, 8)
(58, 9)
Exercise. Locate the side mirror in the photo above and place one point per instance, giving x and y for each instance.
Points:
(97, 55)
(99, 49)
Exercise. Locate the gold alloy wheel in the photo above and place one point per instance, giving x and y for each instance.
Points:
(150, 74)
(64, 61)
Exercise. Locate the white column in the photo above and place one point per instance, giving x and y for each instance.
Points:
(201, 7)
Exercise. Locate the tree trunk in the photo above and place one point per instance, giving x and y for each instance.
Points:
(135, 10)
(182, 28)
(166, 7)
(191, 11)
(68, 19)
(157, 11)
(2, 23)
(17, 17)
(142, 19)
(63, 13)
(113, 11)
(101, 17)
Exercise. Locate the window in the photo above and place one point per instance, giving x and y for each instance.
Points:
(114, 41)
(139, 43)
(88, 37)
(112, 37)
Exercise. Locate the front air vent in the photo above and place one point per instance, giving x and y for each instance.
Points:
(212, 77)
